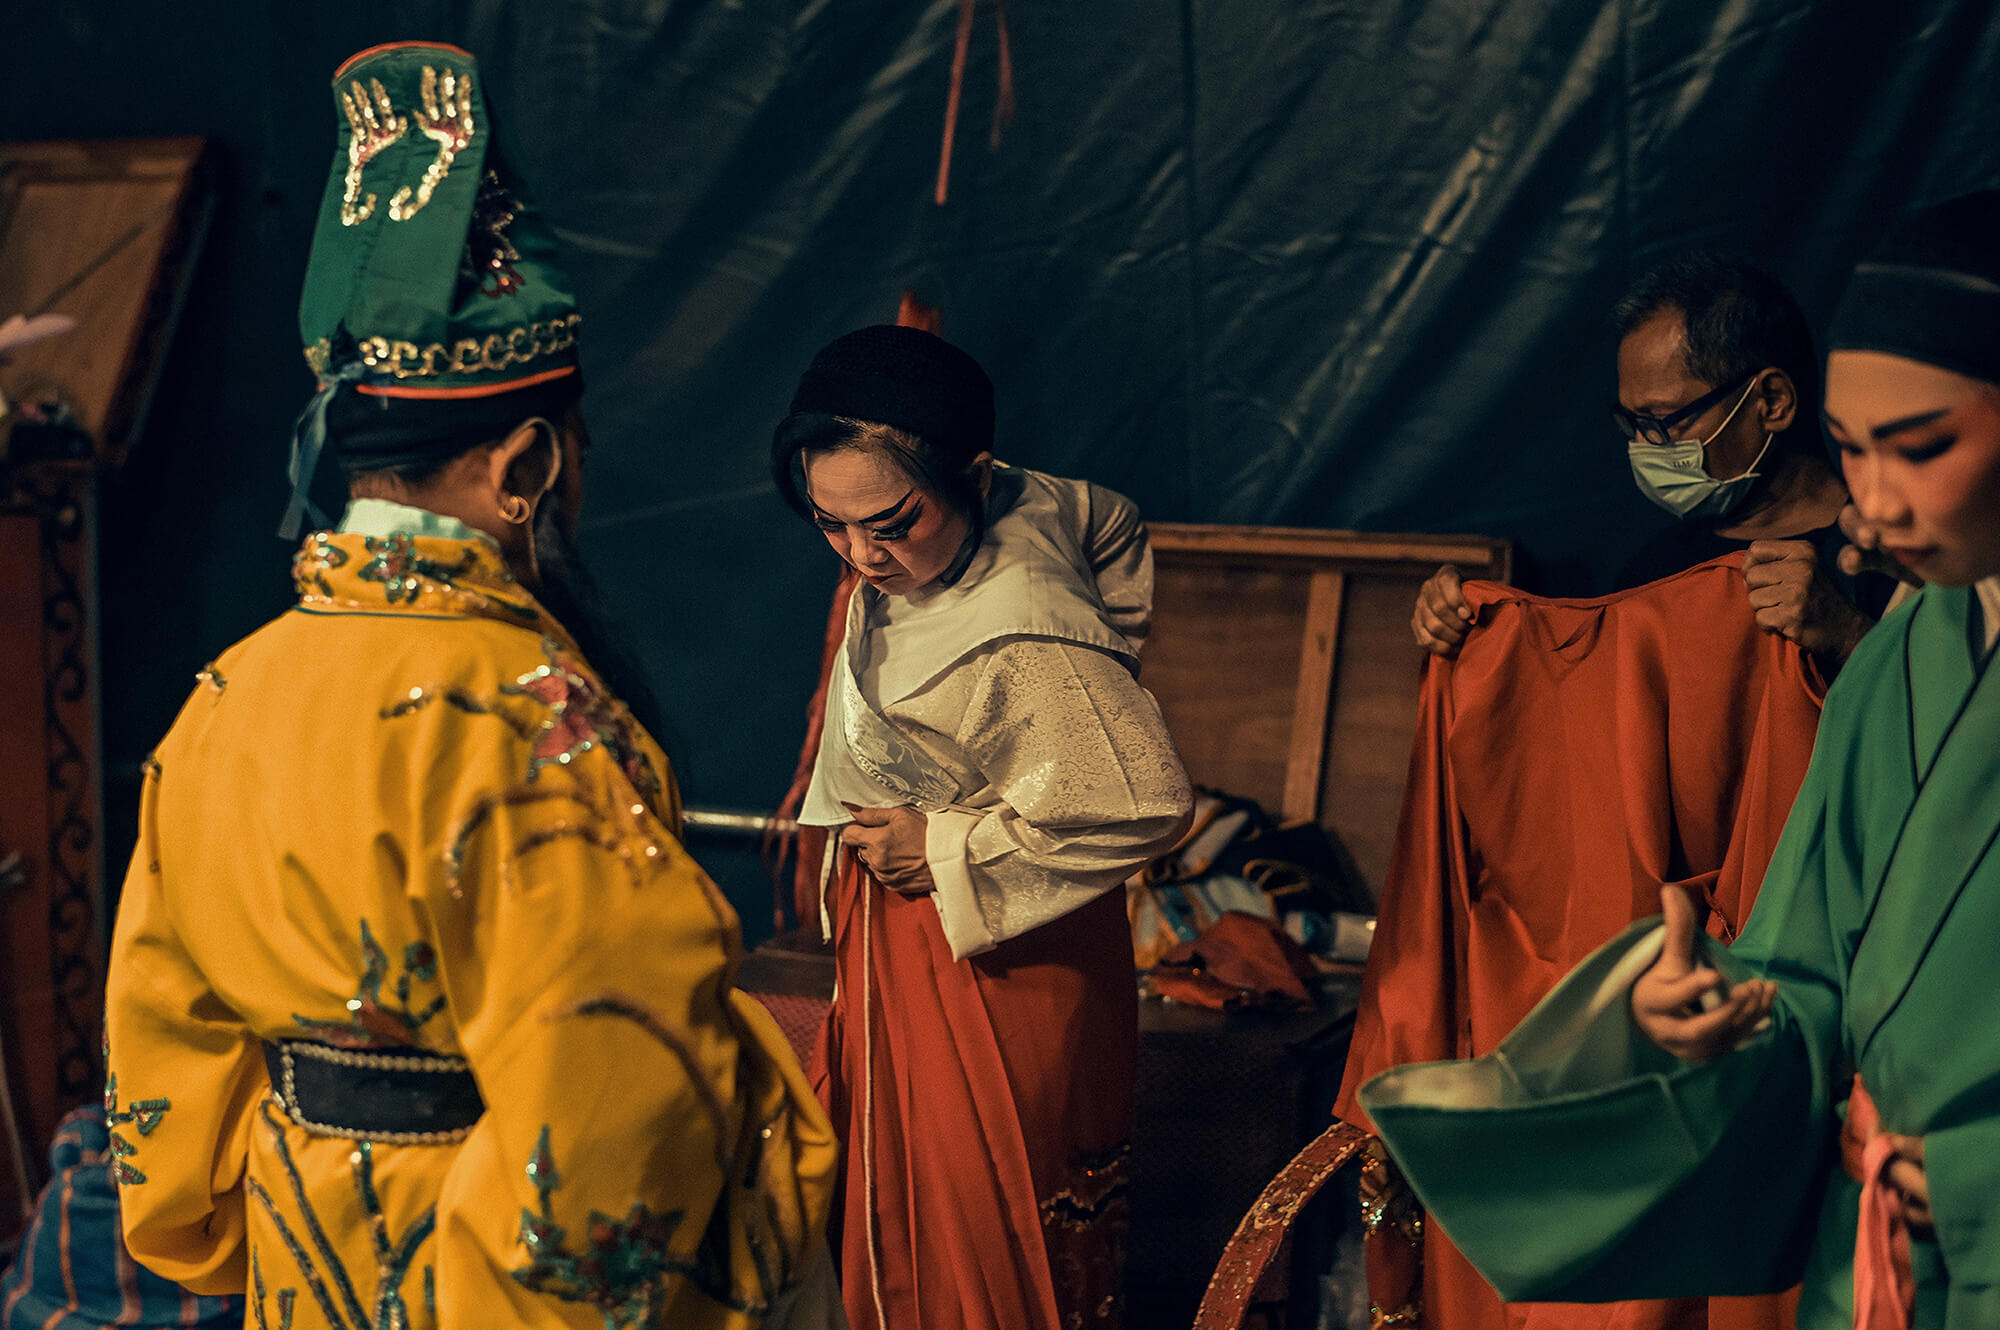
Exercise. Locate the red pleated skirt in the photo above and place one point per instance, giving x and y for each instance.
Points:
(986, 1110)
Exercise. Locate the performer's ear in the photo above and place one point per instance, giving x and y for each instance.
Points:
(1777, 400)
(524, 467)
(982, 470)
(521, 470)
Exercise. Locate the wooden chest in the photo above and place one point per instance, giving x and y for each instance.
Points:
(1284, 662)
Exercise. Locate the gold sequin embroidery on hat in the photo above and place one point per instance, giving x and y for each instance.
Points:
(446, 120)
(375, 126)
(468, 355)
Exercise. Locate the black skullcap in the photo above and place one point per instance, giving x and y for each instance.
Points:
(1930, 291)
(904, 377)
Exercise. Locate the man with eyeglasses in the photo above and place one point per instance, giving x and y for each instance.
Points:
(1718, 402)
(1583, 754)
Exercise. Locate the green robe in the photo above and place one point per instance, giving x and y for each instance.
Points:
(1607, 1169)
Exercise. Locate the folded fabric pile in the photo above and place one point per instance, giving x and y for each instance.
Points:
(1237, 858)
(1240, 962)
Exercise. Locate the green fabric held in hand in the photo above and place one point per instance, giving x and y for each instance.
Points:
(1578, 1163)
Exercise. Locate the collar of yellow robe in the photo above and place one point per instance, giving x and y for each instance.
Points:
(403, 573)
(390, 559)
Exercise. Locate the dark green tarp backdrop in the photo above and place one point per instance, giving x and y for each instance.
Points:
(1338, 264)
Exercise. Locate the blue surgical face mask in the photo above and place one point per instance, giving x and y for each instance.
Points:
(1675, 475)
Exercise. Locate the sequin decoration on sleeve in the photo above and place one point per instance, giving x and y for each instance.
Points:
(581, 717)
(561, 711)
(624, 1265)
(144, 1116)
(373, 1022)
(287, 1297)
(482, 813)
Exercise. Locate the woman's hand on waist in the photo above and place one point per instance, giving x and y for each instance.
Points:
(890, 844)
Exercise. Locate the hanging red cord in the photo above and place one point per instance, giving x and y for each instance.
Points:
(914, 313)
(1003, 97)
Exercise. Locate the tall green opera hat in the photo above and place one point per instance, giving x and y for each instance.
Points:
(433, 278)
(432, 274)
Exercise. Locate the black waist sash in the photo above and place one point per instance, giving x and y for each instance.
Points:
(406, 1096)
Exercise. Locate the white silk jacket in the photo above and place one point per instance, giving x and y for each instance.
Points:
(1007, 709)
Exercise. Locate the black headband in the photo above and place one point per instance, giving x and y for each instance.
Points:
(1930, 291)
(373, 433)
(1943, 318)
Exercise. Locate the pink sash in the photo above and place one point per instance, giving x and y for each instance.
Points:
(1885, 1290)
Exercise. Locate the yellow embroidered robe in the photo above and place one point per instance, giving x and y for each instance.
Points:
(407, 813)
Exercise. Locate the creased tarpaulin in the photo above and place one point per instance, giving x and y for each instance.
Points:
(1577, 755)
(1320, 262)
(1332, 264)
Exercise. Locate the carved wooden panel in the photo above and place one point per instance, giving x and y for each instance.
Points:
(106, 232)
(105, 235)
(51, 919)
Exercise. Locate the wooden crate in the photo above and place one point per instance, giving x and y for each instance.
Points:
(1283, 660)
(106, 231)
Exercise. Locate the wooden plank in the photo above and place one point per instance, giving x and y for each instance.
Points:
(1223, 662)
(1479, 556)
(1248, 684)
(1313, 702)
(27, 985)
(1374, 716)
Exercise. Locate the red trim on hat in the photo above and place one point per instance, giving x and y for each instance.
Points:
(359, 56)
(470, 390)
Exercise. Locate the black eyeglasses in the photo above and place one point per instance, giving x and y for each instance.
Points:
(1635, 425)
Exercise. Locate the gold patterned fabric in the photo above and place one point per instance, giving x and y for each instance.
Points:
(408, 815)
(494, 352)
(1084, 1226)
(1261, 1239)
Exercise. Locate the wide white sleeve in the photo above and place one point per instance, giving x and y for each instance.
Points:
(1081, 785)
(1121, 559)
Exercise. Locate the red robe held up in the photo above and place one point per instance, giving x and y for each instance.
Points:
(1576, 756)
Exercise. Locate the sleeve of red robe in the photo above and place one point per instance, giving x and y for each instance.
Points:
(1410, 996)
